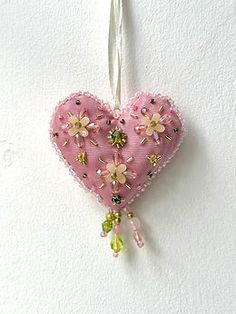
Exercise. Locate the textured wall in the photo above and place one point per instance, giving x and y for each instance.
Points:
(52, 259)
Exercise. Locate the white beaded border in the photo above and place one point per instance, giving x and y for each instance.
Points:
(123, 110)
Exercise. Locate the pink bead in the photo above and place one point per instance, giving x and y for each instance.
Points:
(138, 239)
(117, 158)
(115, 187)
(96, 128)
(134, 223)
(144, 110)
(64, 126)
(137, 129)
(79, 140)
(165, 119)
(117, 229)
(131, 174)
(116, 113)
(126, 209)
(140, 244)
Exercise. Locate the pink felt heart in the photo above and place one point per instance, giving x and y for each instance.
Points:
(116, 156)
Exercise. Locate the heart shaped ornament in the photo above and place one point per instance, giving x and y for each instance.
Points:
(115, 155)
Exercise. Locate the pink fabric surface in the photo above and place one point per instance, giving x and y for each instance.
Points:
(131, 117)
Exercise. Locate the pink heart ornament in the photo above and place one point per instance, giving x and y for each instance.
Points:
(116, 156)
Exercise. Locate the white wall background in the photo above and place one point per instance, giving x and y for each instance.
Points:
(52, 259)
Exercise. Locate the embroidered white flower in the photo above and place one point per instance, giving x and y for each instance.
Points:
(78, 126)
(116, 173)
(152, 124)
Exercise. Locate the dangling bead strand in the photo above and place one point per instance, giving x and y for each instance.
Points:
(116, 240)
(134, 223)
(112, 223)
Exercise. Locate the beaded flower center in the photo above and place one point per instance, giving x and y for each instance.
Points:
(153, 124)
(78, 124)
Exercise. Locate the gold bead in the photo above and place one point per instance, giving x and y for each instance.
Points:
(109, 216)
(130, 215)
(117, 220)
(117, 215)
(82, 158)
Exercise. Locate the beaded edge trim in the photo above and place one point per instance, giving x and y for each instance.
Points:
(123, 110)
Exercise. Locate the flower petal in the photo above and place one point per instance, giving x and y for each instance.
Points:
(149, 131)
(73, 131)
(84, 121)
(109, 178)
(73, 120)
(111, 168)
(83, 132)
(160, 128)
(121, 168)
(121, 178)
(156, 117)
(145, 121)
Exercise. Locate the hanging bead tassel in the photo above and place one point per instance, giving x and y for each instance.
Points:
(116, 240)
(134, 223)
(112, 223)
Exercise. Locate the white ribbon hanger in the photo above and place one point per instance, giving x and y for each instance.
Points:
(115, 51)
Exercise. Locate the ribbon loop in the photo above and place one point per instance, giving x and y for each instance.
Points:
(115, 50)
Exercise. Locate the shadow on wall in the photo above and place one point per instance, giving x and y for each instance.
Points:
(173, 182)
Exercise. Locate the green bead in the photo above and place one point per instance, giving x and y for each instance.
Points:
(107, 226)
(116, 243)
(117, 137)
(113, 176)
